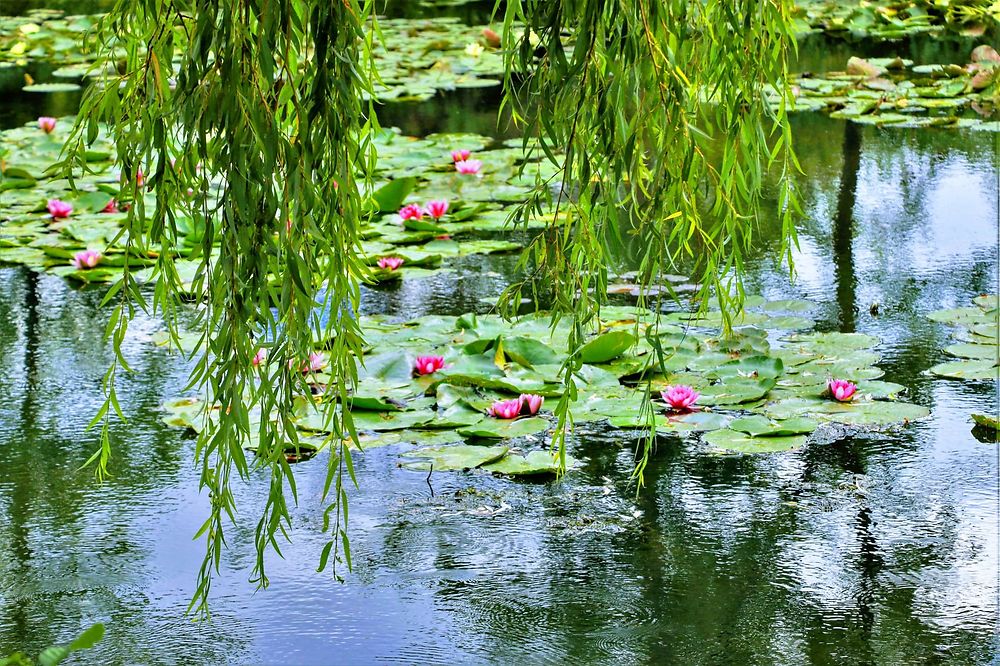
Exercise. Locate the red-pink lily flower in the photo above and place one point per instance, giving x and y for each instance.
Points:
(468, 167)
(531, 402)
(460, 155)
(47, 124)
(110, 207)
(428, 365)
(411, 212)
(259, 358)
(86, 259)
(505, 409)
(390, 263)
(841, 390)
(436, 209)
(680, 398)
(59, 209)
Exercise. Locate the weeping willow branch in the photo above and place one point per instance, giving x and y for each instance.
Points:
(655, 113)
(246, 121)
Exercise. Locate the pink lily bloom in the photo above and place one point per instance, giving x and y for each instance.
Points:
(460, 155)
(47, 124)
(505, 409)
(411, 212)
(841, 390)
(111, 207)
(259, 358)
(428, 365)
(468, 167)
(317, 362)
(680, 398)
(390, 263)
(59, 209)
(86, 259)
(436, 209)
(531, 402)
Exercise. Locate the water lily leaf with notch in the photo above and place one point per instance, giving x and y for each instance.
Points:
(987, 301)
(389, 197)
(668, 423)
(858, 412)
(967, 369)
(454, 457)
(761, 426)
(392, 369)
(736, 390)
(960, 316)
(788, 323)
(740, 442)
(530, 352)
(493, 428)
(973, 351)
(750, 367)
(533, 463)
(457, 416)
(607, 346)
(832, 344)
(789, 305)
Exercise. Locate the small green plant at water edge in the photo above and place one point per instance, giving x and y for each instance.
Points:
(54, 655)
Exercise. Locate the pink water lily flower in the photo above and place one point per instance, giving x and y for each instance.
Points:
(259, 358)
(47, 124)
(436, 209)
(110, 207)
(316, 363)
(411, 212)
(531, 403)
(59, 209)
(390, 263)
(505, 409)
(841, 390)
(680, 398)
(468, 167)
(427, 365)
(460, 155)
(86, 259)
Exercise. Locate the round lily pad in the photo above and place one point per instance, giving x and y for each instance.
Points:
(761, 426)
(51, 87)
(492, 428)
(532, 464)
(967, 369)
(454, 457)
(740, 442)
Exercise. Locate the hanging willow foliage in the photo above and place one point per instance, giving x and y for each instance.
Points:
(655, 113)
(247, 119)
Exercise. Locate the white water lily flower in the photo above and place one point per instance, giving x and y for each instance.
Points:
(474, 49)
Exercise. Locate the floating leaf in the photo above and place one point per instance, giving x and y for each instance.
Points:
(454, 457)
(531, 464)
(760, 426)
(492, 428)
(967, 369)
(740, 442)
(607, 346)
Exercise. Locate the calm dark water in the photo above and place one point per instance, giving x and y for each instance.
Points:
(880, 549)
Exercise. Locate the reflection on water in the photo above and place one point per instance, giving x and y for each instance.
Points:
(874, 549)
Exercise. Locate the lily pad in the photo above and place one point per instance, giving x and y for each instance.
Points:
(454, 457)
(967, 369)
(532, 464)
(740, 442)
(607, 346)
(760, 426)
(492, 428)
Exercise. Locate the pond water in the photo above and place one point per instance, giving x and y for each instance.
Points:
(862, 549)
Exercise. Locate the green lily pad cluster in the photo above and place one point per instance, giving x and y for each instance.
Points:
(894, 19)
(755, 396)
(415, 58)
(411, 170)
(892, 91)
(977, 353)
